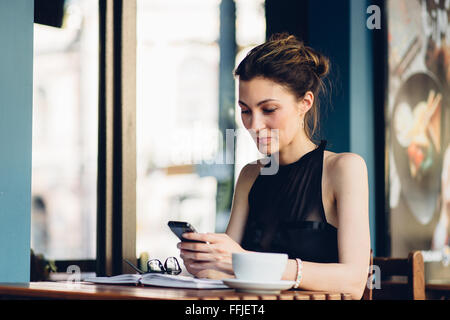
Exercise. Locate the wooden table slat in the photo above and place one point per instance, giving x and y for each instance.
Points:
(302, 297)
(334, 296)
(250, 297)
(268, 297)
(318, 296)
(346, 296)
(231, 298)
(285, 296)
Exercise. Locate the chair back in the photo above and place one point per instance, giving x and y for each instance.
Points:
(381, 287)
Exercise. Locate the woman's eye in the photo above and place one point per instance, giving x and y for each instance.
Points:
(265, 111)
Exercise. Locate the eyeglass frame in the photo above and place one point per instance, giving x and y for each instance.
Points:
(162, 266)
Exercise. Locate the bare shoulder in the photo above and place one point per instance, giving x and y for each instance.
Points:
(249, 173)
(252, 167)
(344, 160)
(343, 166)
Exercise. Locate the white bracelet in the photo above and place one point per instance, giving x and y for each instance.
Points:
(299, 272)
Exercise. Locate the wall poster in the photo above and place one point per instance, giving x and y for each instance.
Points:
(418, 131)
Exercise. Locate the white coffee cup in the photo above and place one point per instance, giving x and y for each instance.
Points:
(259, 266)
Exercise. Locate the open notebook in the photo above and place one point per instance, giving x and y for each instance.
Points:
(161, 280)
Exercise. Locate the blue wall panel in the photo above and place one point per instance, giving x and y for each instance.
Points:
(362, 130)
(338, 30)
(16, 87)
(328, 32)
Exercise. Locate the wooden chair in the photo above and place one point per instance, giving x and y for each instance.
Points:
(387, 289)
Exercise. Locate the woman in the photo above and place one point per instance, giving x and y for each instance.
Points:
(315, 208)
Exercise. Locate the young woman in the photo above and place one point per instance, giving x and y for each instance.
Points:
(315, 207)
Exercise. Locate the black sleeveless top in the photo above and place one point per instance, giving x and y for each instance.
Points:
(286, 213)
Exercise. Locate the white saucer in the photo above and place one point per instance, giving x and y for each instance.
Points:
(272, 287)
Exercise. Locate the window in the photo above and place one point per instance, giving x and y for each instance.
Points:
(250, 32)
(177, 119)
(65, 132)
(179, 155)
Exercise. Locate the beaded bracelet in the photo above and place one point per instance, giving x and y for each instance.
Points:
(299, 273)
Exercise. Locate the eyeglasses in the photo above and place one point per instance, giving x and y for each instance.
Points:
(170, 266)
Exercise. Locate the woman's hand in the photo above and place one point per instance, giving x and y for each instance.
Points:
(211, 259)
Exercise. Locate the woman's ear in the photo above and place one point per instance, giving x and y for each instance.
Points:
(307, 102)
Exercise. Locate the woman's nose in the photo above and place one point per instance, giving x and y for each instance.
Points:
(257, 123)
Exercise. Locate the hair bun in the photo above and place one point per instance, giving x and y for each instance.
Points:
(319, 64)
(322, 67)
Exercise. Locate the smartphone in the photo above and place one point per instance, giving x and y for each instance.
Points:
(180, 227)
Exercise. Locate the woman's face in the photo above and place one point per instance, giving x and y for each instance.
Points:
(270, 112)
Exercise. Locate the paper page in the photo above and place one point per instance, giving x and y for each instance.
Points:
(120, 279)
(165, 280)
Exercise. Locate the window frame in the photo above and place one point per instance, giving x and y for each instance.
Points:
(116, 162)
(116, 185)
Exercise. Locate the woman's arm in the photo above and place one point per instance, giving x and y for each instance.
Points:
(350, 185)
(214, 260)
(240, 207)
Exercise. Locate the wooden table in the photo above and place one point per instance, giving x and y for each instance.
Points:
(83, 291)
